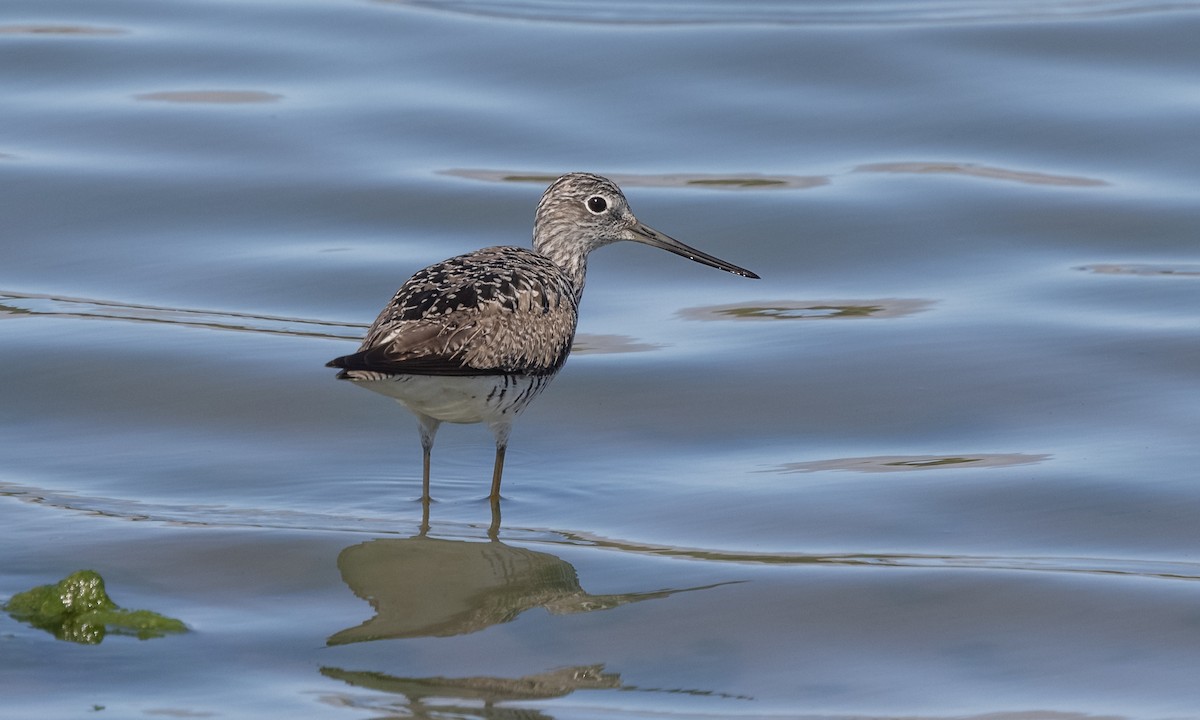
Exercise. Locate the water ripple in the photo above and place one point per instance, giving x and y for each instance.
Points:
(760, 181)
(232, 517)
(986, 172)
(840, 309)
(1182, 270)
(910, 463)
(19, 304)
(709, 181)
(774, 12)
(211, 97)
(60, 30)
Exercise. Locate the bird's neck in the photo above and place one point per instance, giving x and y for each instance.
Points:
(567, 256)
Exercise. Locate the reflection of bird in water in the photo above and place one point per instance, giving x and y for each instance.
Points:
(459, 697)
(477, 337)
(433, 587)
(480, 697)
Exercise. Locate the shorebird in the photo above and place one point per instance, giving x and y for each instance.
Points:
(477, 337)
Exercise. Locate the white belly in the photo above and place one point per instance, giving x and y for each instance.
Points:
(466, 399)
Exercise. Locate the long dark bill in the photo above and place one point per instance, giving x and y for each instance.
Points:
(649, 236)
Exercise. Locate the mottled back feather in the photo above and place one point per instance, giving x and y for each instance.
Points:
(499, 310)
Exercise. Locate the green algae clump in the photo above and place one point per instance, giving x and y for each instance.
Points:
(78, 609)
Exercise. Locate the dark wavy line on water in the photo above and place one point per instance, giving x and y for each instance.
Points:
(18, 304)
(1163, 570)
(31, 304)
(871, 13)
(224, 516)
(748, 182)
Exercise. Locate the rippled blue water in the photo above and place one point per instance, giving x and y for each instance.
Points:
(939, 462)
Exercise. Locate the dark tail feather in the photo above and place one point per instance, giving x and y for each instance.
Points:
(340, 362)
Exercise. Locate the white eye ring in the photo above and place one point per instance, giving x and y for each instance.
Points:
(597, 204)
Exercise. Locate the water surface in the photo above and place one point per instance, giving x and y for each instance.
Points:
(940, 462)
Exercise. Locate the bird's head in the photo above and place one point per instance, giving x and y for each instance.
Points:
(580, 212)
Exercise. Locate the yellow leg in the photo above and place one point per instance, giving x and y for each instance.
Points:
(424, 530)
(429, 428)
(494, 528)
(425, 498)
(497, 471)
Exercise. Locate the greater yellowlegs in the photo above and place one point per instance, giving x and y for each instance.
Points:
(477, 337)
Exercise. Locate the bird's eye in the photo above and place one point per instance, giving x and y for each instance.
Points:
(597, 204)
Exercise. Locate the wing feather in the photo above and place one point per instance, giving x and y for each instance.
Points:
(503, 310)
